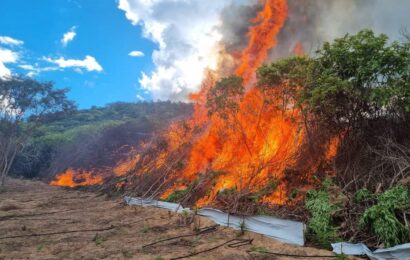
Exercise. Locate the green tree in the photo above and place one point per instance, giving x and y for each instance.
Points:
(358, 78)
(224, 97)
(23, 104)
(352, 80)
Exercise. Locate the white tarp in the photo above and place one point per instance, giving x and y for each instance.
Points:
(400, 252)
(155, 203)
(287, 231)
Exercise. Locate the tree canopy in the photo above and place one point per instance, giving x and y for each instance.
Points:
(23, 103)
(351, 80)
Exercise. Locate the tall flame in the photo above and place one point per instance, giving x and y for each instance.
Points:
(256, 144)
(262, 37)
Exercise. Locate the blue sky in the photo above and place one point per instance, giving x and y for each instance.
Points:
(101, 32)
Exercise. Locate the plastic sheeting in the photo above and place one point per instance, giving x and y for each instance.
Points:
(286, 231)
(155, 203)
(400, 252)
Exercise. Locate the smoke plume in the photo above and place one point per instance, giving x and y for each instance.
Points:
(196, 35)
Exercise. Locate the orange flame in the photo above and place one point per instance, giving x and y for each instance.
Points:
(247, 149)
(72, 178)
(123, 167)
(299, 50)
(262, 37)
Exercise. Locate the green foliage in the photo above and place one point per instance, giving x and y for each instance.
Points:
(382, 220)
(223, 98)
(180, 194)
(285, 80)
(360, 75)
(395, 198)
(24, 102)
(30, 100)
(177, 195)
(351, 80)
(320, 224)
(362, 195)
(122, 122)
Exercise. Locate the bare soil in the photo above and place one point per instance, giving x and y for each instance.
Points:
(38, 221)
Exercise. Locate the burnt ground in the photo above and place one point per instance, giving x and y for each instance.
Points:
(38, 221)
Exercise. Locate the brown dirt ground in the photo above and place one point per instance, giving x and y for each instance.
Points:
(32, 207)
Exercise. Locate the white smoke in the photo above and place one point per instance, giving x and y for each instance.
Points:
(351, 16)
(187, 33)
(313, 22)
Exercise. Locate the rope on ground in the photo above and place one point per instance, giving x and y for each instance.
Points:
(293, 255)
(201, 231)
(233, 243)
(72, 231)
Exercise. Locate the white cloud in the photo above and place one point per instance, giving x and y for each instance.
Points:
(10, 41)
(89, 63)
(136, 54)
(7, 56)
(68, 36)
(187, 34)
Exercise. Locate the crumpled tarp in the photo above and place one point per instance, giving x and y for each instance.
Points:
(400, 252)
(286, 231)
(155, 203)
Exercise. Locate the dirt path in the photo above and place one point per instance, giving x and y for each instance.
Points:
(38, 221)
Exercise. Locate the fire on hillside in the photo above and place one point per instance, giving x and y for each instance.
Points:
(242, 137)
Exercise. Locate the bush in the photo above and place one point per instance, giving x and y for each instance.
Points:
(362, 195)
(320, 224)
(382, 220)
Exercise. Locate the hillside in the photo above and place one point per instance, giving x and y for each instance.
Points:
(97, 137)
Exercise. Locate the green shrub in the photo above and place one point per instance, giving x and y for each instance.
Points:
(362, 195)
(320, 224)
(382, 220)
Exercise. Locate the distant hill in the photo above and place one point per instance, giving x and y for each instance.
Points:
(94, 138)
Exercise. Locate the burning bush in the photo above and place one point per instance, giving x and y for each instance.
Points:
(303, 120)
